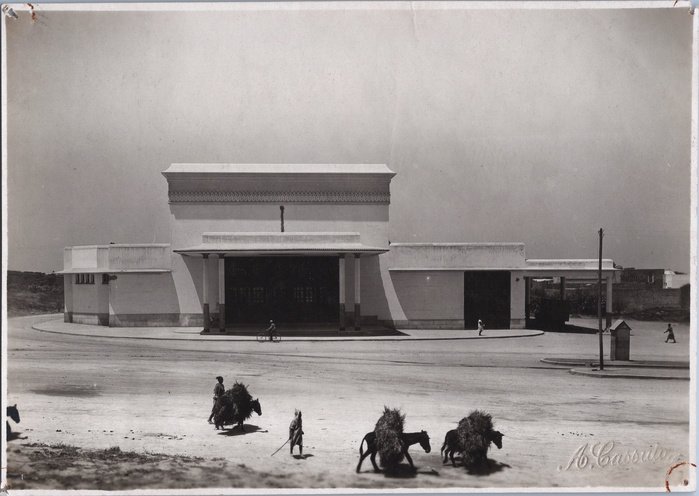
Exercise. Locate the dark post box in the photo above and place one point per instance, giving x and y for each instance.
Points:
(621, 340)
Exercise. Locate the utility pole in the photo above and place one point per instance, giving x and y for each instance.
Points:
(599, 302)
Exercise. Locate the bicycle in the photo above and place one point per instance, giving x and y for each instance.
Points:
(265, 336)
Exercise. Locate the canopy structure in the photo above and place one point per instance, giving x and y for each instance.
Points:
(585, 267)
(240, 246)
(269, 244)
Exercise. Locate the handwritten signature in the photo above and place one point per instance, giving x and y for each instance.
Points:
(604, 455)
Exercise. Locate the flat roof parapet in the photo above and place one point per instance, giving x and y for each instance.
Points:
(123, 257)
(281, 237)
(266, 169)
(466, 245)
(586, 264)
(456, 256)
(118, 245)
(278, 183)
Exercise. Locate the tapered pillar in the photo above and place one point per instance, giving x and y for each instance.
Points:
(527, 301)
(342, 291)
(205, 292)
(221, 294)
(609, 302)
(357, 291)
(563, 288)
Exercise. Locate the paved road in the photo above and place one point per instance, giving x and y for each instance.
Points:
(155, 396)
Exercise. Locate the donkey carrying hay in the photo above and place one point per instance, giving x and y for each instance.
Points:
(474, 435)
(235, 406)
(390, 442)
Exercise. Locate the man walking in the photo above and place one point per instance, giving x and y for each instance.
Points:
(480, 327)
(219, 389)
(670, 334)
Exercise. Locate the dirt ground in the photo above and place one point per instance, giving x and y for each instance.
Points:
(131, 414)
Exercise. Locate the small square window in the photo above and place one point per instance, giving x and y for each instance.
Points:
(105, 278)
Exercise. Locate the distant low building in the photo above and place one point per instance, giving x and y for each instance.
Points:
(659, 278)
(644, 289)
(647, 277)
(674, 280)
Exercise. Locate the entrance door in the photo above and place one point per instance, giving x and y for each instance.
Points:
(284, 289)
(487, 297)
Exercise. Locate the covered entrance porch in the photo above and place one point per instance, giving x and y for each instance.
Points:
(566, 270)
(295, 279)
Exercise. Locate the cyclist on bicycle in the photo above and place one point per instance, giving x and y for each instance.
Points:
(271, 330)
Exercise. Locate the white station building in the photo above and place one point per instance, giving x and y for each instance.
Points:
(304, 245)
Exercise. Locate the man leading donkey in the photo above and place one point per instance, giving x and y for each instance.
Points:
(219, 389)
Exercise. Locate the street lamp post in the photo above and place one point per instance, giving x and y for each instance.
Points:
(599, 302)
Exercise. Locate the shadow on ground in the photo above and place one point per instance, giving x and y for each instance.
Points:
(237, 431)
(488, 468)
(14, 435)
(301, 457)
(314, 332)
(568, 328)
(402, 471)
(70, 390)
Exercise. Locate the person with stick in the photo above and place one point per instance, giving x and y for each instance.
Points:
(296, 433)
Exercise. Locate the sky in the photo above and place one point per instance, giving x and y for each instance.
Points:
(534, 126)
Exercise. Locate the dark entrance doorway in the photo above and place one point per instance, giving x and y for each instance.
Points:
(289, 290)
(487, 297)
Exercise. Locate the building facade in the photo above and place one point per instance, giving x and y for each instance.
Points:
(305, 245)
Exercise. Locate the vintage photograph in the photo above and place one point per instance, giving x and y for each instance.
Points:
(349, 247)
